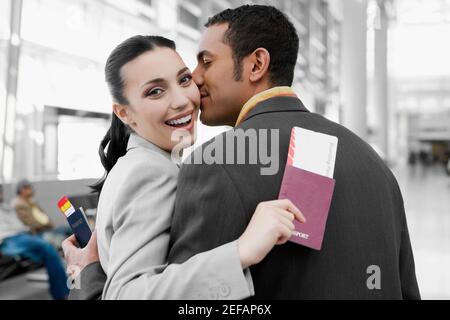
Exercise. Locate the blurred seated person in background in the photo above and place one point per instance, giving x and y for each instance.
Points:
(28, 210)
(32, 215)
(15, 240)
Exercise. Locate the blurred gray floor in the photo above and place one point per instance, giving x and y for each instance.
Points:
(426, 193)
(21, 288)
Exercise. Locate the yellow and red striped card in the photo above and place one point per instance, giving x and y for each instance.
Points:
(65, 206)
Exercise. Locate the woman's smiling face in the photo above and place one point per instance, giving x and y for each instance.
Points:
(162, 97)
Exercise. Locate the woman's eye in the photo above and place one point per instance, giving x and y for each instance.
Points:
(186, 79)
(155, 92)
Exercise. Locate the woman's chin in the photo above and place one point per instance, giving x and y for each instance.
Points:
(182, 138)
(189, 141)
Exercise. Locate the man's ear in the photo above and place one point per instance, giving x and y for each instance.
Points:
(123, 114)
(261, 61)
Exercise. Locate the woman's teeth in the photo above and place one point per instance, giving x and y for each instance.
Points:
(180, 122)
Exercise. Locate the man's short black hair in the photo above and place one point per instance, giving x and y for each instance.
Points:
(257, 26)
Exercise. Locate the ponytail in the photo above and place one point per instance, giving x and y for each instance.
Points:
(116, 141)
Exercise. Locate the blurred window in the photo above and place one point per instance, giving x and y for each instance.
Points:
(189, 14)
(71, 142)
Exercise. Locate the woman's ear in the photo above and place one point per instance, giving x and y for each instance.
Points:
(261, 62)
(123, 114)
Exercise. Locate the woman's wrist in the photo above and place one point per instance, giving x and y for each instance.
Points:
(244, 254)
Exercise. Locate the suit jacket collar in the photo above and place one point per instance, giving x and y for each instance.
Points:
(136, 141)
(277, 104)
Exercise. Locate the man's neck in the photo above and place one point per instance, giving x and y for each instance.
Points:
(261, 88)
(260, 96)
(256, 90)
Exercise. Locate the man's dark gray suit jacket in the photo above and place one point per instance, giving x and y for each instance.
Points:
(366, 237)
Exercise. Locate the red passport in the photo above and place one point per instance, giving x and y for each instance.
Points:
(310, 191)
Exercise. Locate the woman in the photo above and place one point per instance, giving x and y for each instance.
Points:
(154, 96)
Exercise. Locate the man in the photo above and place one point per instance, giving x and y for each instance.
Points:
(28, 210)
(32, 215)
(246, 65)
(15, 240)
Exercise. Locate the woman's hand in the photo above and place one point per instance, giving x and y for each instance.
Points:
(78, 258)
(271, 224)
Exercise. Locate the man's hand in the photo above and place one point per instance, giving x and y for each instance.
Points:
(78, 258)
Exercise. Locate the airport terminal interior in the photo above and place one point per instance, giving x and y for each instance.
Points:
(379, 67)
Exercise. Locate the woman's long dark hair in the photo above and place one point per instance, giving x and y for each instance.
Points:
(116, 138)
